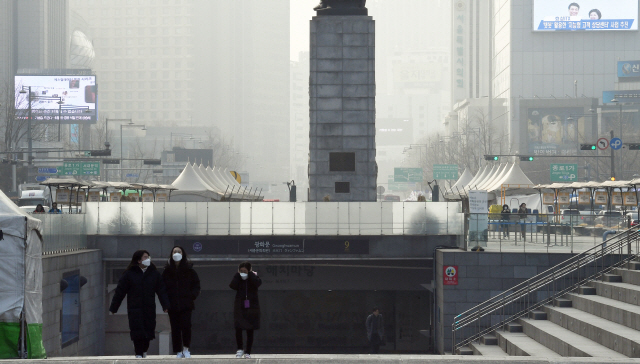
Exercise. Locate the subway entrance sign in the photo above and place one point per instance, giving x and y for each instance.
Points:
(563, 172)
(445, 171)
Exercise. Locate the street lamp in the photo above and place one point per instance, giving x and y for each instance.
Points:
(130, 124)
(616, 102)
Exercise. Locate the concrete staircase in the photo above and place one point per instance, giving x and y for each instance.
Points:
(600, 319)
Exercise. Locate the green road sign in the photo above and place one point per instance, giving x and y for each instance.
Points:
(563, 172)
(407, 175)
(445, 171)
(80, 169)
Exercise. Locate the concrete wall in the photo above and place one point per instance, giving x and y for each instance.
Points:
(91, 336)
(481, 275)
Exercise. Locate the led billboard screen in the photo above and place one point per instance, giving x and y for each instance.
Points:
(585, 15)
(556, 131)
(78, 95)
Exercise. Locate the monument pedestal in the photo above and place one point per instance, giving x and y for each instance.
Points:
(342, 109)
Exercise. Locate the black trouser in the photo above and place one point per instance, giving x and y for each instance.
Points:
(141, 346)
(180, 329)
(249, 340)
(375, 343)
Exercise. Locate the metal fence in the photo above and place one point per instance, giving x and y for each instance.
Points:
(273, 218)
(574, 233)
(63, 232)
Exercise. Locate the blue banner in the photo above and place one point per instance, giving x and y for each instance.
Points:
(621, 96)
(586, 24)
(628, 69)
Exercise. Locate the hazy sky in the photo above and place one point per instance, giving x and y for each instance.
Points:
(301, 13)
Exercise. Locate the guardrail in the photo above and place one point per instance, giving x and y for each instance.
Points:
(274, 218)
(543, 288)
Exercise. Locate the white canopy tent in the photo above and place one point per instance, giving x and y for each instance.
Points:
(20, 282)
(462, 181)
(191, 187)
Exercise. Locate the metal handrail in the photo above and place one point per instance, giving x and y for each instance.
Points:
(517, 302)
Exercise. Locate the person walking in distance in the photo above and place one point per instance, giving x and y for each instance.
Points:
(522, 212)
(505, 219)
(375, 330)
(246, 307)
(141, 282)
(183, 287)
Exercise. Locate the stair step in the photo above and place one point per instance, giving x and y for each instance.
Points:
(465, 350)
(633, 265)
(486, 350)
(562, 302)
(489, 340)
(619, 312)
(519, 344)
(614, 336)
(608, 277)
(514, 327)
(623, 292)
(538, 315)
(563, 341)
(630, 276)
(586, 290)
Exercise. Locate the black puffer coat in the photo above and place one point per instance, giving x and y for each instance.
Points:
(246, 318)
(183, 286)
(141, 289)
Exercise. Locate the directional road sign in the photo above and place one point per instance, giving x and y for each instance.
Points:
(41, 178)
(616, 143)
(603, 143)
(47, 170)
(445, 171)
(80, 169)
(132, 175)
(407, 175)
(563, 172)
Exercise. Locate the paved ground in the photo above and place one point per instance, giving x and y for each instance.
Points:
(336, 359)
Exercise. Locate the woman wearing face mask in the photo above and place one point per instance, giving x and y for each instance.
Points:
(183, 286)
(246, 308)
(141, 282)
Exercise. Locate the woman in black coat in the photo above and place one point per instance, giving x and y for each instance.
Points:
(141, 282)
(183, 287)
(246, 307)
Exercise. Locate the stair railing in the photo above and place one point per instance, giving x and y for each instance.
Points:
(543, 288)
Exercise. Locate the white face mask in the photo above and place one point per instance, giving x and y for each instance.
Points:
(177, 257)
(244, 276)
(146, 262)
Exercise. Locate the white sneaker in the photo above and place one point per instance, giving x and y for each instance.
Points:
(138, 356)
(239, 354)
(186, 353)
(180, 355)
(247, 356)
(144, 355)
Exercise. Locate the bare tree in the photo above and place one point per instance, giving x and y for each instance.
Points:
(13, 120)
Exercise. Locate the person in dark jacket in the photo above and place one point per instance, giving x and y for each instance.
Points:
(522, 212)
(141, 282)
(246, 307)
(375, 330)
(505, 219)
(183, 287)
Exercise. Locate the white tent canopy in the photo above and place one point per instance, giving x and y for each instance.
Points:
(20, 280)
(462, 181)
(191, 187)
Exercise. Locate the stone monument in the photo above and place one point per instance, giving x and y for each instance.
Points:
(342, 91)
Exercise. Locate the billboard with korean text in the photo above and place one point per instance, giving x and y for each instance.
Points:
(54, 99)
(585, 15)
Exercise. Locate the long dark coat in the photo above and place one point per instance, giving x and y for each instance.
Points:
(183, 287)
(246, 318)
(141, 289)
